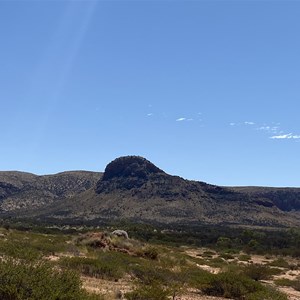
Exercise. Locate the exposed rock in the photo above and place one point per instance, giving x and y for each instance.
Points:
(121, 233)
(126, 173)
(130, 166)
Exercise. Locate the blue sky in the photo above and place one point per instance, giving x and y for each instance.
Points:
(207, 90)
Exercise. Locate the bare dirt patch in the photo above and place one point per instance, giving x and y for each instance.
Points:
(111, 289)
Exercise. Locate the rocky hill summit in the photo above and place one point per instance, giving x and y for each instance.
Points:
(130, 166)
(126, 173)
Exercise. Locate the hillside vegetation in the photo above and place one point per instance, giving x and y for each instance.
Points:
(154, 263)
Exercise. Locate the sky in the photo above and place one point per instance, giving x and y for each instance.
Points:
(206, 90)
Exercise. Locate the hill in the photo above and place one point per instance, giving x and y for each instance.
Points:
(20, 190)
(133, 188)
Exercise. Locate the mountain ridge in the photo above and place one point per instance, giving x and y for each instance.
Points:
(133, 188)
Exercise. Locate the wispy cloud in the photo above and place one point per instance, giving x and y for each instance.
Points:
(274, 129)
(180, 119)
(285, 136)
(150, 114)
(184, 119)
(264, 128)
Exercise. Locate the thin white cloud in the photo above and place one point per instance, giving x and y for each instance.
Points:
(268, 128)
(150, 114)
(272, 129)
(285, 136)
(180, 119)
(265, 128)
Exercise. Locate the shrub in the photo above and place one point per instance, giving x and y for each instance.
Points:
(231, 285)
(238, 286)
(244, 257)
(150, 252)
(148, 274)
(38, 281)
(258, 272)
(208, 254)
(280, 262)
(296, 285)
(148, 292)
(226, 256)
(224, 242)
(217, 262)
(268, 293)
(31, 245)
(284, 282)
(93, 267)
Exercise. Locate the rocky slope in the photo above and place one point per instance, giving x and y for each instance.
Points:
(135, 189)
(287, 199)
(19, 190)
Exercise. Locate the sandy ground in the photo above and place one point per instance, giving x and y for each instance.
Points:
(116, 290)
(292, 294)
(255, 259)
(112, 290)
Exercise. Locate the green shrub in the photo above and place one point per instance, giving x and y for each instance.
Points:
(284, 282)
(148, 292)
(268, 293)
(31, 246)
(244, 257)
(196, 277)
(148, 274)
(217, 262)
(224, 242)
(280, 262)
(231, 285)
(207, 253)
(258, 272)
(93, 267)
(151, 253)
(238, 286)
(38, 281)
(19, 250)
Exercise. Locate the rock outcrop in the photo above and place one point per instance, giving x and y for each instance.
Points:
(126, 173)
